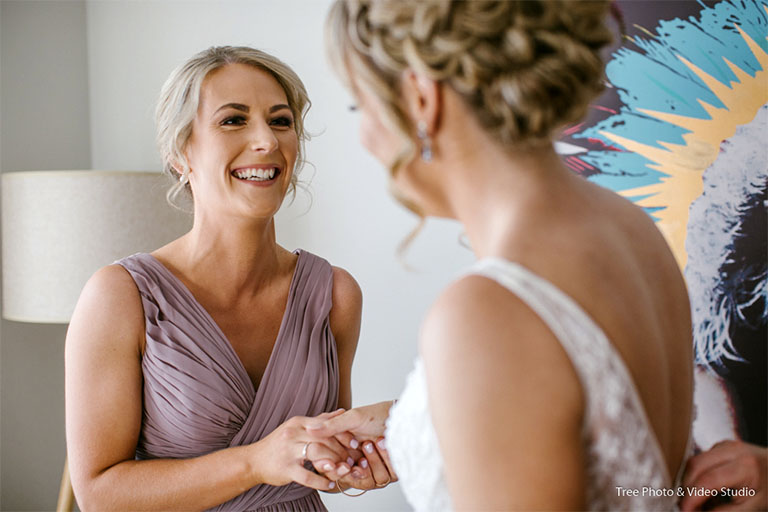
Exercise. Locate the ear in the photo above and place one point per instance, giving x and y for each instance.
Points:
(423, 99)
(177, 162)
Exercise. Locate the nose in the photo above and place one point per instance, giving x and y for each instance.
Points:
(263, 139)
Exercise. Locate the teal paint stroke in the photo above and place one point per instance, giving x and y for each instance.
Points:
(637, 126)
(622, 170)
(649, 75)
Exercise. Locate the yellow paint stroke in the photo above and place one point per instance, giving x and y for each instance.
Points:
(684, 164)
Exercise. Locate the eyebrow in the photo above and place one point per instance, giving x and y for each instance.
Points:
(236, 106)
(275, 108)
(246, 108)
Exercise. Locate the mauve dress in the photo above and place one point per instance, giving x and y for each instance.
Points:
(198, 397)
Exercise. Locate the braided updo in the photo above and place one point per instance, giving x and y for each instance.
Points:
(524, 67)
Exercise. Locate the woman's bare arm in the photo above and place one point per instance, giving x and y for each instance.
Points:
(345, 320)
(104, 411)
(505, 401)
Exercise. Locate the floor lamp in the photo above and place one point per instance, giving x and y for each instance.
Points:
(59, 227)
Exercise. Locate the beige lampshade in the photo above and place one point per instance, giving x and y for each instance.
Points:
(59, 227)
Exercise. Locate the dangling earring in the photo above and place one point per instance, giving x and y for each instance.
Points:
(426, 141)
(183, 177)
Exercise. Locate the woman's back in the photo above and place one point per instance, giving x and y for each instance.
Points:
(616, 370)
(608, 256)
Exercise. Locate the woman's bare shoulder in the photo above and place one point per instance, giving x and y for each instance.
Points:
(109, 308)
(477, 321)
(347, 306)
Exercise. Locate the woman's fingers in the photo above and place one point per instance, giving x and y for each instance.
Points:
(343, 454)
(723, 473)
(320, 451)
(347, 439)
(331, 470)
(378, 467)
(360, 477)
(372, 470)
(720, 453)
(309, 479)
(728, 464)
(332, 414)
(326, 427)
(381, 448)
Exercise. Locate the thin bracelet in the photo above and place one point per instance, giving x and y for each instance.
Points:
(350, 495)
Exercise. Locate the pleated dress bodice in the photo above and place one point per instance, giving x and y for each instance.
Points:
(198, 396)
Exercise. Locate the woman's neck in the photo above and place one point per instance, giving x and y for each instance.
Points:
(232, 256)
(502, 193)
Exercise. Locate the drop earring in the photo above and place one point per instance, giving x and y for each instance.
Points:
(426, 141)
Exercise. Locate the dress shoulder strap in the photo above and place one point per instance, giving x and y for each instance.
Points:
(616, 429)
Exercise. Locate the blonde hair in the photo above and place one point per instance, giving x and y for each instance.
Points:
(180, 97)
(525, 68)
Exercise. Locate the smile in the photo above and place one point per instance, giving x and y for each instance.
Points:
(256, 174)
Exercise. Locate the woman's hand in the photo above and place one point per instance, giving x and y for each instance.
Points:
(372, 470)
(354, 426)
(730, 464)
(364, 425)
(283, 453)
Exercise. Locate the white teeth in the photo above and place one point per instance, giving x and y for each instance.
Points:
(253, 174)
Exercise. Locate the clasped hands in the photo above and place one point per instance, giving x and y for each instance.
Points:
(349, 447)
(345, 448)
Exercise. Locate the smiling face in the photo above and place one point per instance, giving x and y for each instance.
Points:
(243, 144)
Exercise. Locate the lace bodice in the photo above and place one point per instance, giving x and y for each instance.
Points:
(621, 449)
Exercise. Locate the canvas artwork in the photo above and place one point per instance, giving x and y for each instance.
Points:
(682, 131)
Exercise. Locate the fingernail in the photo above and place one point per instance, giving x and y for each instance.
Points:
(364, 463)
(332, 485)
(328, 467)
(357, 474)
(354, 444)
(343, 470)
(369, 447)
(381, 444)
(350, 461)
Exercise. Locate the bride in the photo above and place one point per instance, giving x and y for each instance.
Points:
(557, 373)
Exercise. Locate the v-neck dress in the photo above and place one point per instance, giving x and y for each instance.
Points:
(197, 395)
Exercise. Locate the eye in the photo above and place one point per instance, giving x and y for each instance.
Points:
(284, 121)
(233, 121)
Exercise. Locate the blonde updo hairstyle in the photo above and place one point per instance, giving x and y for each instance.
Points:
(525, 68)
(180, 97)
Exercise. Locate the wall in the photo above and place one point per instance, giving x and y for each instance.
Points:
(347, 217)
(45, 125)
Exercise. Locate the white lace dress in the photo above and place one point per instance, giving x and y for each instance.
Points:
(622, 450)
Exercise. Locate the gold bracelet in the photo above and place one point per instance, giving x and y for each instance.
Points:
(350, 495)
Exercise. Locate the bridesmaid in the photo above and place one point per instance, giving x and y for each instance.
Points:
(190, 371)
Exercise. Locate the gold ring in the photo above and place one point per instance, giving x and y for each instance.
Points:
(346, 493)
(304, 451)
(389, 481)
